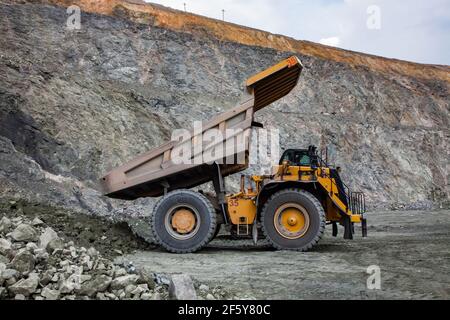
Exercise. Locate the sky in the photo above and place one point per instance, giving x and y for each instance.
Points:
(413, 30)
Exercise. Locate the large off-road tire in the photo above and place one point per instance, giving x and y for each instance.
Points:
(183, 221)
(293, 219)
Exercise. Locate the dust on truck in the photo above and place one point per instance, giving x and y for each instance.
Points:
(290, 207)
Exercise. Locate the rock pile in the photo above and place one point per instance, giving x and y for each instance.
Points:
(36, 263)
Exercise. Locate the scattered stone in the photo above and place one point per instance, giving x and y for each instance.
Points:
(25, 287)
(119, 272)
(46, 237)
(101, 296)
(146, 296)
(139, 290)
(92, 252)
(55, 245)
(111, 296)
(123, 281)
(209, 296)
(19, 297)
(23, 262)
(71, 284)
(146, 277)
(37, 222)
(46, 278)
(5, 224)
(182, 288)
(203, 287)
(129, 289)
(156, 296)
(4, 259)
(162, 279)
(10, 281)
(9, 274)
(5, 247)
(24, 232)
(50, 294)
(41, 254)
(31, 246)
(97, 284)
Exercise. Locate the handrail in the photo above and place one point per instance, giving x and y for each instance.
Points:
(356, 201)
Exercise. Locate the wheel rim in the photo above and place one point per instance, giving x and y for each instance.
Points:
(182, 222)
(291, 221)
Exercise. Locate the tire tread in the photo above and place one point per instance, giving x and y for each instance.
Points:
(320, 210)
(211, 230)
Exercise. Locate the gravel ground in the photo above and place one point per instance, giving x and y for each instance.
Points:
(412, 249)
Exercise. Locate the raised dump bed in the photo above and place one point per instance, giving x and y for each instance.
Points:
(155, 172)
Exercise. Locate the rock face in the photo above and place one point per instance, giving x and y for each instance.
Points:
(75, 103)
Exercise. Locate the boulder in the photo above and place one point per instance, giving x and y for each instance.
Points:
(25, 287)
(5, 247)
(203, 287)
(46, 237)
(182, 288)
(31, 246)
(23, 262)
(5, 224)
(92, 252)
(50, 294)
(9, 274)
(3, 259)
(55, 244)
(24, 232)
(37, 222)
(146, 277)
(97, 284)
(46, 278)
(139, 290)
(123, 281)
(146, 296)
(70, 285)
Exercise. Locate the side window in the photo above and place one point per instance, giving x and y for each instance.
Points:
(287, 156)
(305, 161)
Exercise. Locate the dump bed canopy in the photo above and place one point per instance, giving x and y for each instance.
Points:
(156, 171)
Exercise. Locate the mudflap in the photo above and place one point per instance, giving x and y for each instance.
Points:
(335, 229)
(364, 228)
(348, 228)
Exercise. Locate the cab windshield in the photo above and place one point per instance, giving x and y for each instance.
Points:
(299, 158)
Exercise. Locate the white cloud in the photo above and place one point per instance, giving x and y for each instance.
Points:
(415, 30)
(333, 41)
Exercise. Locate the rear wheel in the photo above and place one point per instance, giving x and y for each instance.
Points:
(293, 219)
(183, 221)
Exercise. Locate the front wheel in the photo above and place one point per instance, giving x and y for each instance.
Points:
(293, 219)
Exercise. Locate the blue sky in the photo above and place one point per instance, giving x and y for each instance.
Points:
(414, 30)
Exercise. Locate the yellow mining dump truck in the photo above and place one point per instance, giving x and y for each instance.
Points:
(290, 207)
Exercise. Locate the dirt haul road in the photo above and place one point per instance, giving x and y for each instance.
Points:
(411, 248)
